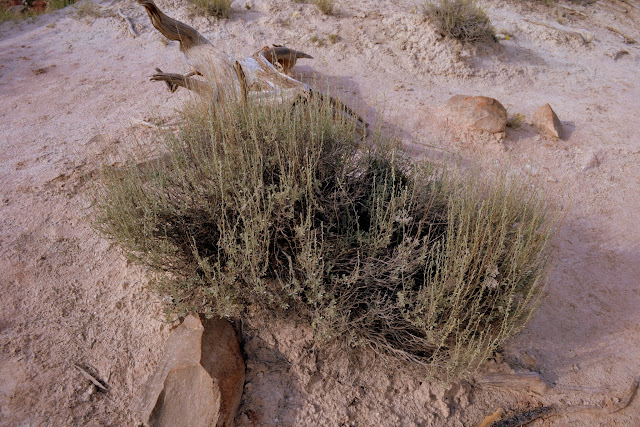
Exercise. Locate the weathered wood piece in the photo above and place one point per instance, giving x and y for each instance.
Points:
(260, 76)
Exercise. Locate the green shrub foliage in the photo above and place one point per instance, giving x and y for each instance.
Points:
(288, 208)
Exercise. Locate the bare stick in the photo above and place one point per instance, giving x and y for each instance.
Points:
(546, 412)
(627, 39)
(91, 378)
(573, 11)
(129, 22)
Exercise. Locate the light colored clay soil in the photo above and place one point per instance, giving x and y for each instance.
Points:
(72, 92)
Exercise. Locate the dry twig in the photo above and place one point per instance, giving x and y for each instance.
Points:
(573, 11)
(91, 378)
(129, 22)
(535, 383)
(627, 39)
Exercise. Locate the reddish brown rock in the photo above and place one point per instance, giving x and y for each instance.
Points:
(222, 359)
(546, 120)
(477, 113)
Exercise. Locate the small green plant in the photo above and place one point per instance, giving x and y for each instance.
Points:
(462, 20)
(516, 121)
(8, 15)
(287, 208)
(325, 6)
(58, 4)
(333, 38)
(217, 8)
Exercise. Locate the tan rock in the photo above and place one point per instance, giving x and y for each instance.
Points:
(547, 121)
(477, 113)
(199, 380)
(181, 350)
(222, 359)
(190, 398)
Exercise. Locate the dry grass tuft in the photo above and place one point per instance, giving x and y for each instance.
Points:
(325, 6)
(287, 208)
(88, 9)
(217, 8)
(462, 20)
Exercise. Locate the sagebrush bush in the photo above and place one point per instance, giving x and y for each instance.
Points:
(217, 8)
(462, 20)
(289, 209)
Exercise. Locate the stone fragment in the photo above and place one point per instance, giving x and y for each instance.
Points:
(478, 113)
(546, 120)
(182, 350)
(590, 162)
(222, 359)
(199, 380)
(190, 398)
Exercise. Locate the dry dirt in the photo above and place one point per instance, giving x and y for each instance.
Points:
(74, 88)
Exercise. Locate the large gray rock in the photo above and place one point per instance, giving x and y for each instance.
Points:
(546, 120)
(477, 113)
(198, 381)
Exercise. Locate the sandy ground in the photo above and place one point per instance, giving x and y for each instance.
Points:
(72, 92)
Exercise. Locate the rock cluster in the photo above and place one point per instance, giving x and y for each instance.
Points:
(487, 115)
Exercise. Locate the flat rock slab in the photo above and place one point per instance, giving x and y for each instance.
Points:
(476, 113)
(189, 398)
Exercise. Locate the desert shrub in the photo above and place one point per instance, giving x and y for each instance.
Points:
(288, 208)
(462, 20)
(217, 8)
(325, 6)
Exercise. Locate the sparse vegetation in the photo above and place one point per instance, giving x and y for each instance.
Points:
(26, 11)
(289, 209)
(333, 38)
(318, 41)
(462, 20)
(7, 15)
(217, 8)
(88, 9)
(325, 6)
(58, 4)
(516, 121)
